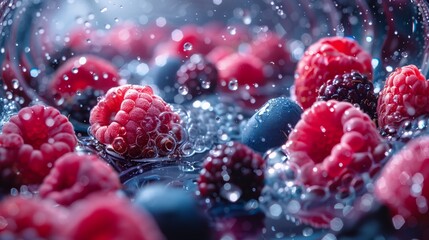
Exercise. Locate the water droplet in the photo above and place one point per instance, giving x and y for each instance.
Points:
(183, 90)
(103, 10)
(75, 70)
(205, 84)
(233, 85)
(232, 30)
(187, 46)
(15, 84)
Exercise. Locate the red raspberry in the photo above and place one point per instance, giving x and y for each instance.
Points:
(271, 49)
(41, 135)
(186, 41)
(104, 216)
(241, 75)
(232, 168)
(403, 185)
(198, 75)
(81, 72)
(219, 53)
(230, 36)
(323, 60)
(404, 97)
(30, 218)
(135, 122)
(128, 40)
(332, 139)
(75, 176)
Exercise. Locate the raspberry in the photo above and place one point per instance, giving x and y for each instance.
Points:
(128, 40)
(80, 105)
(198, 76)
(332, 139)
(352, 87)
(30, 218)
(402, 185)
(75, 176)
(323, 60)
(185, 42)
(404, 97)
(241, 75)
(81, 72)
(271, 49)
(219, 53)
(108, 216)
(232, 172)
(135, 122)
(41, 135)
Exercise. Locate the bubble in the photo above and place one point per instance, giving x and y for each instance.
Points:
(206, 84)
(275, 210)
(307, 232)
(233, 85)
(398, 221)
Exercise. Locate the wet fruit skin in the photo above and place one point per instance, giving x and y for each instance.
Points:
(403, 186)
(76, 176)
(331, 139)
(270, 126)
(164, 77)
(231, 167)
(176, 212)
(81, 72)
(351, 87)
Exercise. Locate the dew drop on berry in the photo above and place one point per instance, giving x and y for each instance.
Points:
(187, 46)
(205, 84)
(183, 90)
(233, 85)
(75, 70)
(232, 30)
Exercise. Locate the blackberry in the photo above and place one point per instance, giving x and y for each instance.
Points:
(232, 172)
(80, 105)
(197, 76)
(351, 87)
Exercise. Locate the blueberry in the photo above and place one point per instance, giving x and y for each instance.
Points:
(271, 124)
(164, 77)
(176, 212)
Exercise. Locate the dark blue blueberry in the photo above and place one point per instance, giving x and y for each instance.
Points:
(176, 212)
(164, 77)
(270, 126)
